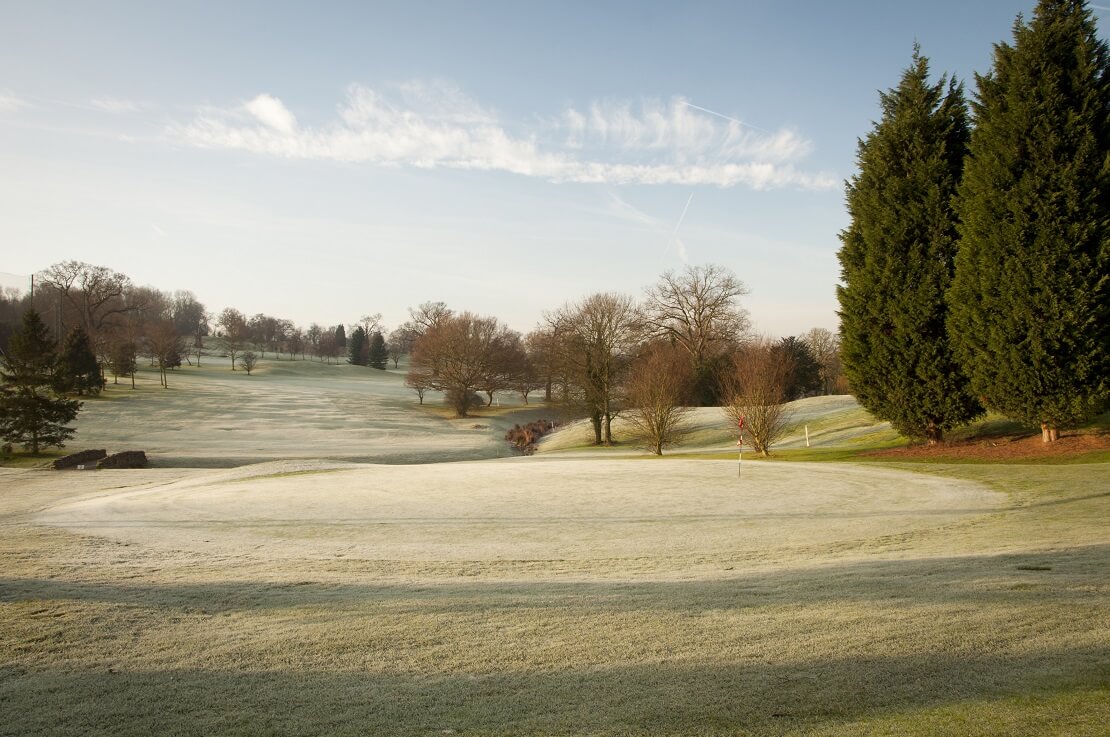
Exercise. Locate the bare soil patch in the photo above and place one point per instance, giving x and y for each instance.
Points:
(1002, 449)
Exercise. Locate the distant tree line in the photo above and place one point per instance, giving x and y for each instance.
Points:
(608, 355)
(976, 267)
(597, 357)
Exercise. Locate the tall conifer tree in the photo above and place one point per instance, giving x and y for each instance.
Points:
(377, 355)
(28, 413)
(1029, 304)
(897, 259)
(358, 349)
(76, 369)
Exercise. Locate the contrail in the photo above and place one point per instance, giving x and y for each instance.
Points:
(679, 245)
(726, 117)
(683, 215)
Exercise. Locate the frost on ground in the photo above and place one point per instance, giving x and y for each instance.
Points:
(307, 591)
(214, 417)
(830, 421)
(610, 517)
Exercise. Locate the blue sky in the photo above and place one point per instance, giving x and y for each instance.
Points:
(321, 161)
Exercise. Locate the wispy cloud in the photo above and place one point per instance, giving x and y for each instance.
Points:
(272, 113)
(117, 105)
(10, 103)
(436, 125)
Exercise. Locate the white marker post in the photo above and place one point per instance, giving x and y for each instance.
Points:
(807, 436)
(740, 448)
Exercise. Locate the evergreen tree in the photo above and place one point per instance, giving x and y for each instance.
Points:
(29, 415)
(76, 369)
(1029, 304)
(897, 259)
(805, 378)
(340, 337)
(378, 354)
(358, 349)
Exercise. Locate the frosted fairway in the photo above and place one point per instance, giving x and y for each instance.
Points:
(592, 517)
(214, 417)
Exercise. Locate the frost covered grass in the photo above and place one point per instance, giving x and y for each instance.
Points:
(833, 422)
(566, 597)
(551, 595)
(214, 417)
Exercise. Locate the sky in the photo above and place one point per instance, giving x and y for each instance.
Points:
(323, 161)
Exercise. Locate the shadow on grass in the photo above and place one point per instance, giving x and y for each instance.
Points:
(750, 698)
(296, 685)
(973, 579)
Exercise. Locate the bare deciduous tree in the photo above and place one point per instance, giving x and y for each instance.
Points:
(825, 346)
(544, 346)
(658, 389)
(164, 346)
(328, 346)
(236, 332)
(190, 319)
(698, 310)
(248, 361)
(527, 379)
(312, 335)
(400, 343)
(122, 361)
(372, 323)
(94, 292)
(504, 365)
(295, 342)
(601, 334)
(755, 390)
(264, 332)
(428, 315)
(420, 381)
(458, 354)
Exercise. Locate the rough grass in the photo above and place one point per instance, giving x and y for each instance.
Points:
(559, 597)
(989, 621)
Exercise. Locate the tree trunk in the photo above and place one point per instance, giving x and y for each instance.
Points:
(1049, 434)
(595, 420)
(933, 434)
(608, 429)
